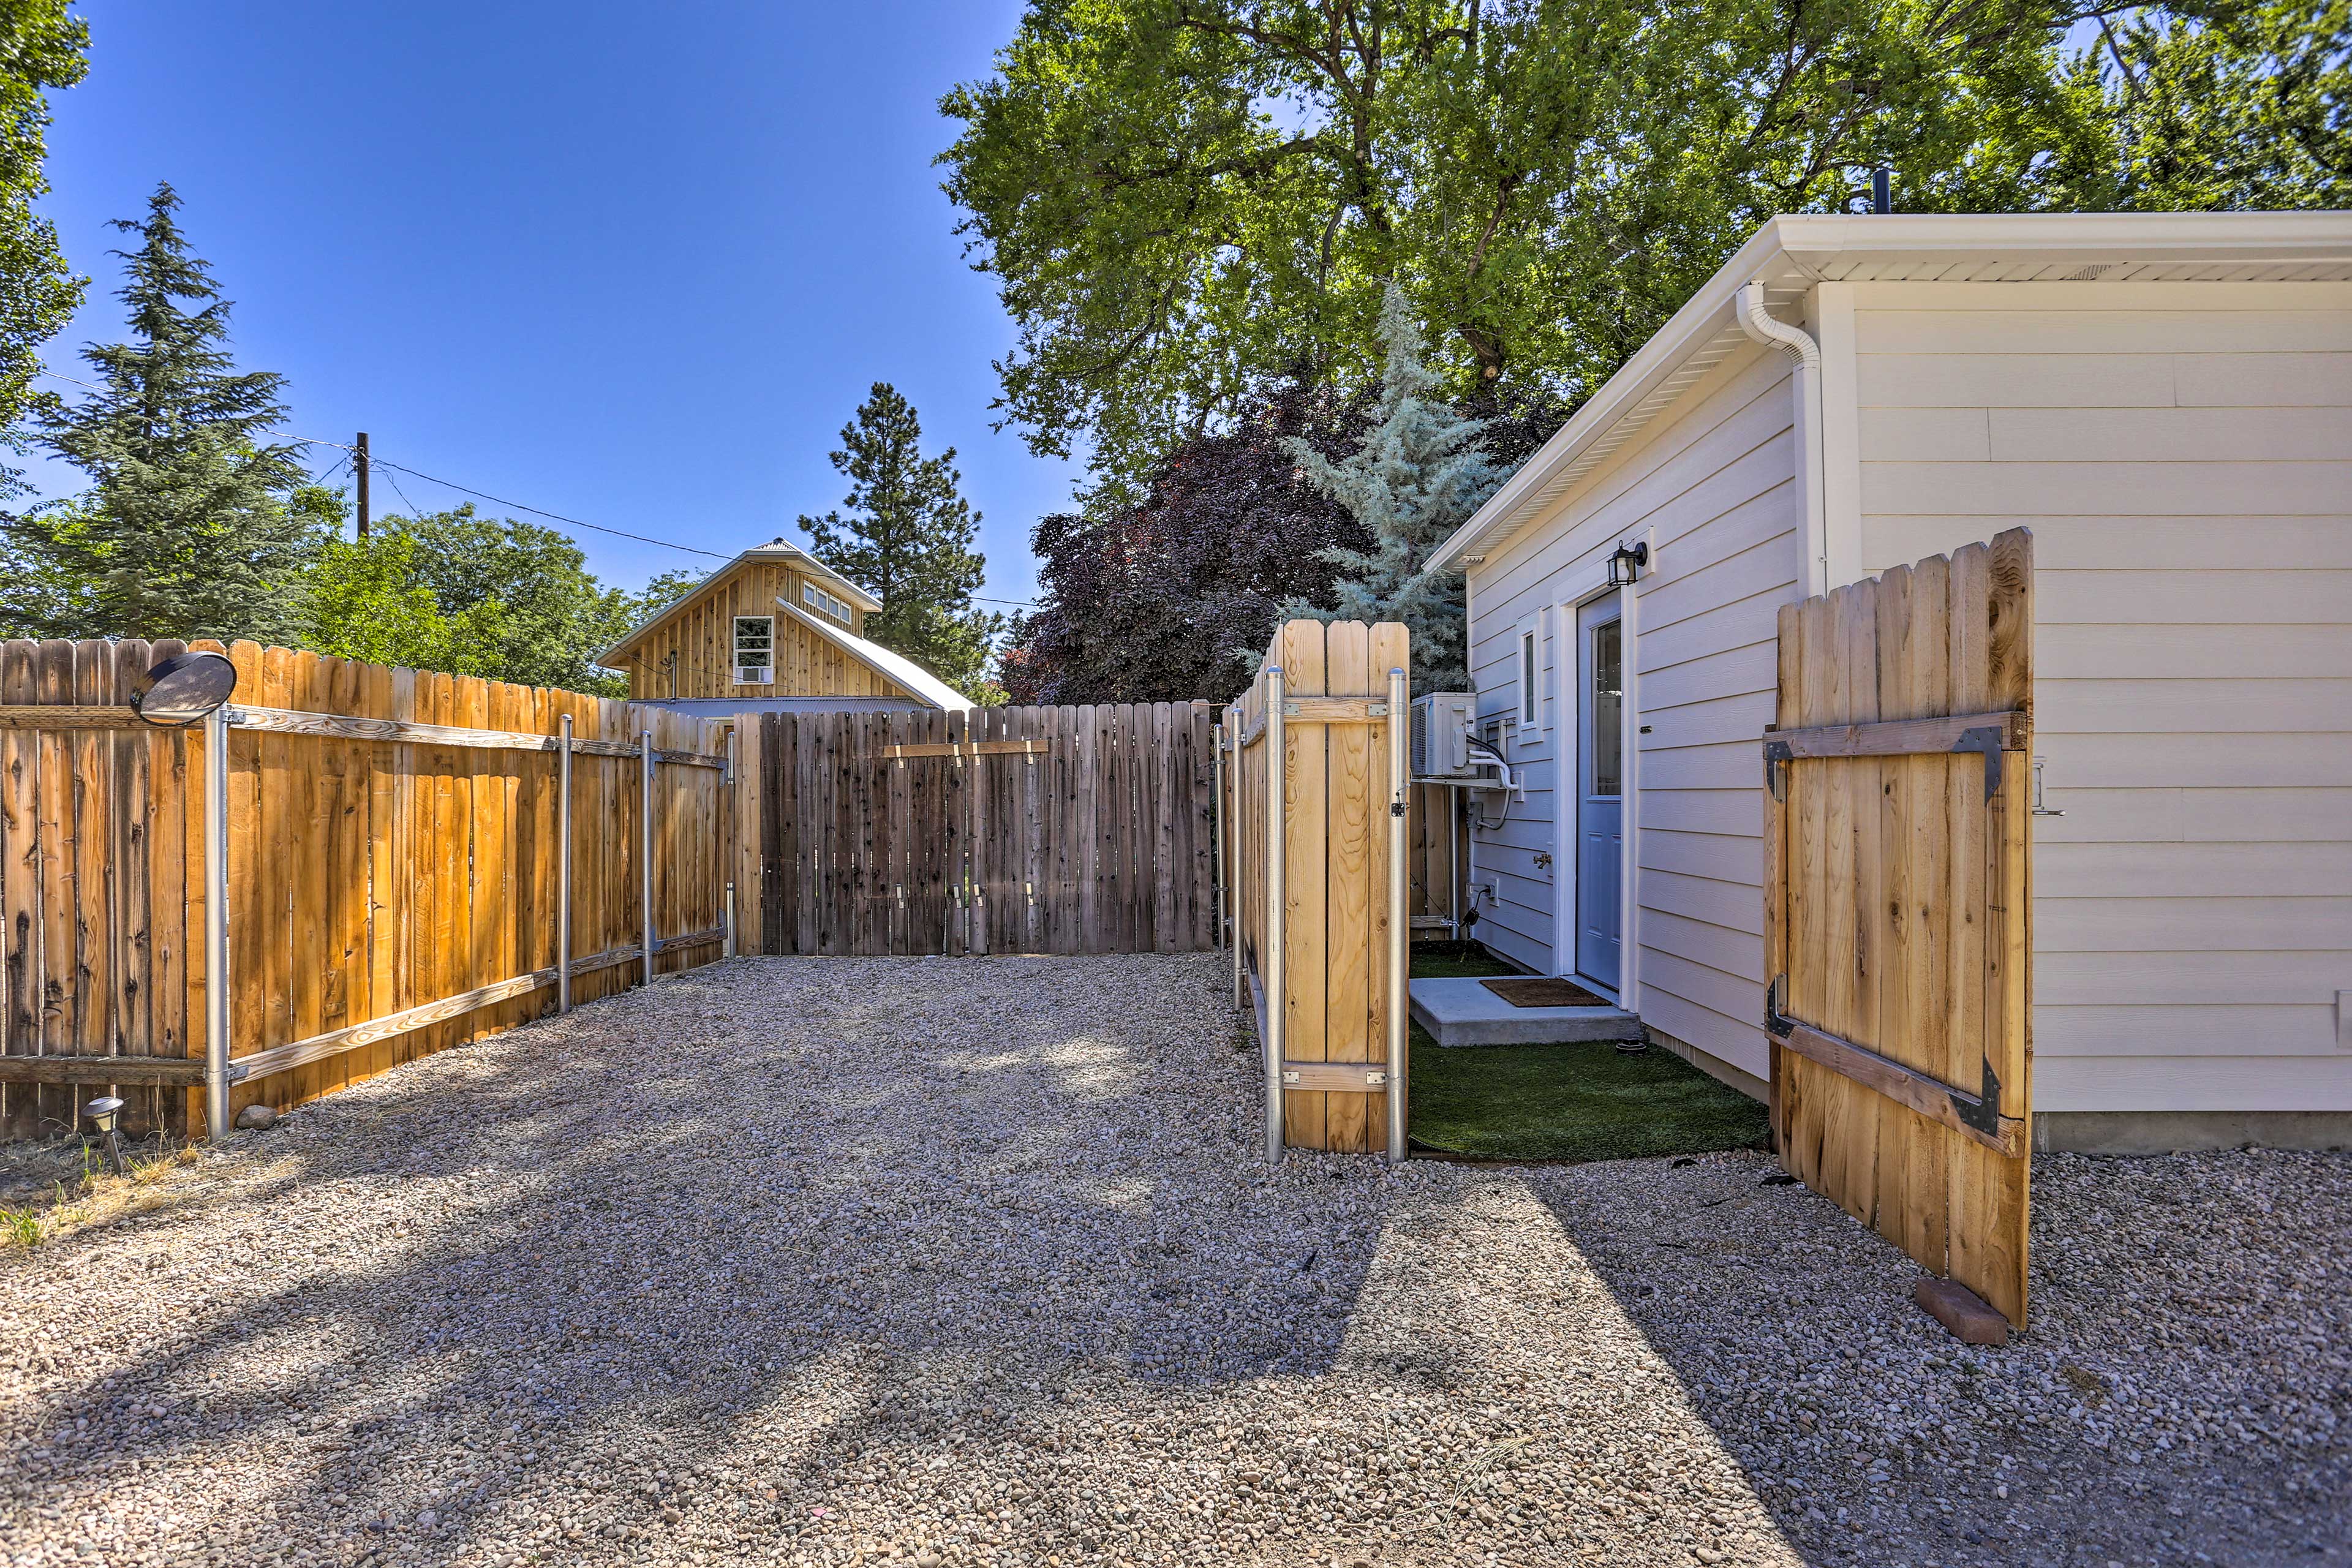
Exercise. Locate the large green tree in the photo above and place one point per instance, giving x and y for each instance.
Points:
(42, 47)
(194, 526)
(1178, 197)
(518, 599)
(906, 534)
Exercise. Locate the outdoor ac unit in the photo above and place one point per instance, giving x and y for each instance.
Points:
(753, 674)
(1440, 734)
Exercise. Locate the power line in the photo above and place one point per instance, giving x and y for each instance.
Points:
(376, 462)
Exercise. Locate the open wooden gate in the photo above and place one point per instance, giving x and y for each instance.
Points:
(1898, 902)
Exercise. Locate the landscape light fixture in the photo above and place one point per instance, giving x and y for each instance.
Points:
(1626, 565)
(104, 1115)
(184, 690)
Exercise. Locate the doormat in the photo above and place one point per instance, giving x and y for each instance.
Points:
(1534, 990)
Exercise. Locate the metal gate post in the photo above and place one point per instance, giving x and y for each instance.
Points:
(1217, 832)
(735, 819)
(563, 870)
(645, 837)
(1233, 734)
(1270, 954)
(216, 923)
(1399, 924)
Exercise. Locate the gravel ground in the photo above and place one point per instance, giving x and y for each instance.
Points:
(969, 1261)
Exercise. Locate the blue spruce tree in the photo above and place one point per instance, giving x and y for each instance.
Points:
(1416, 476)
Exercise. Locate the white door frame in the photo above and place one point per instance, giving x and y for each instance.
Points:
(1579, 588)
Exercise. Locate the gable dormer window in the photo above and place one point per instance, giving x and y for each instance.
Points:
(817, 599)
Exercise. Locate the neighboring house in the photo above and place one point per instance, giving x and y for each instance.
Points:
(2166, 401)
(774, 630)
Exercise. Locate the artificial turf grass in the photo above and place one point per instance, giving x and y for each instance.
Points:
(1572, 1102)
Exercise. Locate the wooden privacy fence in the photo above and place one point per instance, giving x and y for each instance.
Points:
(396, 871)
(1317, 795)
(1898, 906)
(1080, 829)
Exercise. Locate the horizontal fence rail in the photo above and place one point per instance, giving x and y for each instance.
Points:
(1078, 829)
(410, 859)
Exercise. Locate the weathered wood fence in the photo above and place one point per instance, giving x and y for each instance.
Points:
(1318, 793)
(1080, 829)
(392, 891)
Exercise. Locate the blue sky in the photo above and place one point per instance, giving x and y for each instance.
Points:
(635, 264)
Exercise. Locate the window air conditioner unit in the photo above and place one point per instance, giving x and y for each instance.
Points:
(754, 674)
(1442, 721)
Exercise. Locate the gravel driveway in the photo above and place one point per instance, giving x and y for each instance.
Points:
(970, 1260)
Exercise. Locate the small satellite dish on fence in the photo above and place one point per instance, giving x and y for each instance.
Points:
(184, 689)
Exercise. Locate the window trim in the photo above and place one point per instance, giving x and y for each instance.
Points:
(1531, 679)
(737, 662)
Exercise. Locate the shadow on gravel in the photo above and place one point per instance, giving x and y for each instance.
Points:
(2145, 1419)
(539, 1262)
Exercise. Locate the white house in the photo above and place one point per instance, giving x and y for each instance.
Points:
(2166, 401)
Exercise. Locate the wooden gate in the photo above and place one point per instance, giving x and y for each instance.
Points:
(1898, 907)
(1080, 829)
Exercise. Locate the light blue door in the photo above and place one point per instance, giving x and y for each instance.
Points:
(1601, 797)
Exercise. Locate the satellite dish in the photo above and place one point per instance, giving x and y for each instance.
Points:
(184, 689)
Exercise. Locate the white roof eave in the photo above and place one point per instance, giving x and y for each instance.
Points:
(1793, 252)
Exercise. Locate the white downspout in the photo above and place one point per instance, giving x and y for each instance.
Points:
(1763, 326)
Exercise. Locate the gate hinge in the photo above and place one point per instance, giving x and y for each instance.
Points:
(1775, 994)
(1985, 737)
(1777, 757)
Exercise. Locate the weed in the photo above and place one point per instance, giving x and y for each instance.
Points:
(21, 1228)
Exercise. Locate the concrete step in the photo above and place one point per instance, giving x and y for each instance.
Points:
(1465, 1013)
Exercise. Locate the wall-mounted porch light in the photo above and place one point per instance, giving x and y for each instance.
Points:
(1626, 565)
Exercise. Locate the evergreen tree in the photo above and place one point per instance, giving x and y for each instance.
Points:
(1417, 473)
(908, 536)
(189, 530)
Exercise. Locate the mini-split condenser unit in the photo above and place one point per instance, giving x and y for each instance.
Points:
(1441, 735)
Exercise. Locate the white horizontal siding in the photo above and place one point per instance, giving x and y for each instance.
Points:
(2185, 461)
(1712, 488)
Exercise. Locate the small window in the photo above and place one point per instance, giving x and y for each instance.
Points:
(755, 650)
(1529, 688)
(818, 598)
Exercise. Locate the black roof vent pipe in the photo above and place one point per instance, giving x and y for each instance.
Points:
(1881, 189)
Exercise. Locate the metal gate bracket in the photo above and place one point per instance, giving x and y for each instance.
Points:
(1775, 1022)
(1778, 754)
(1987, 739)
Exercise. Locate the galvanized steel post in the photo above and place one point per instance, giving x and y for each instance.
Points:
(1217, 832)
(216, 923)
(1270, 945)
(735, 817)
(1233, 734)
(646, 837)
(563, 870)
(1399, 928)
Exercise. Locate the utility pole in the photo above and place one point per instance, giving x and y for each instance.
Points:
(360, 467)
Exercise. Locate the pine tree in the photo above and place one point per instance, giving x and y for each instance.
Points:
(908, 536)
(188, 529)
(1417, 474)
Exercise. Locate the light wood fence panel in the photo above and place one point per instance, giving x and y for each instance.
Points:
(1898, 904)
(369, 879)
(1339, 1005)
